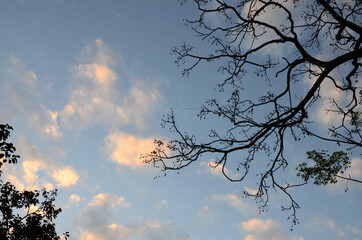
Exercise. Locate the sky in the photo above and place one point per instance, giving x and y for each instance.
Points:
(85, 85)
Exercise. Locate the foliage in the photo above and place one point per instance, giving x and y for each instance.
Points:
(300, 55)
(6, 149)
(326, 167)
(40, 211)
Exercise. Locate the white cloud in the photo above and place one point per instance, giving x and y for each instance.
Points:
(126, 149)
(259, 229)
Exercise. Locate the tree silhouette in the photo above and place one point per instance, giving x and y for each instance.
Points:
(40, 211)
(301, 55)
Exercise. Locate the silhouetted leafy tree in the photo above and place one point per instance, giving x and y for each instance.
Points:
(24, 215)
(279, 46)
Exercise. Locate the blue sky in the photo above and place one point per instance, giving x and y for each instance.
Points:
(85, 84)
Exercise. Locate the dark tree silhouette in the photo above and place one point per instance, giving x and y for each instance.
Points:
(278, 46)
(40, 211)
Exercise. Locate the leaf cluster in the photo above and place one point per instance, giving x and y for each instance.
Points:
(326, 167)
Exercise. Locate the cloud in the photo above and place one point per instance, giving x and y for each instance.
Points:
(65, 177)
(325, 224)
(148, 229)
(22, 94)
(155, 230)
(23, 87)
(236, 202)
(274, 16)
(74, 198)
(45, 122)
(98, 216)
(107, 200)
(209, 167)
(354, 229)
(205, 213)
(99, 96)
(324, 111)
(162, 205)
(126, 149)
(259, 229)
(355, 172)
(98, 222)
(109, 232)
(33, 162)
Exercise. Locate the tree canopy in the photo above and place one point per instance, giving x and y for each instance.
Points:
(305, 56)
(26, 214)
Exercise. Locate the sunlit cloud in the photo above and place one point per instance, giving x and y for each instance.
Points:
(45, 121)
(31, 167)
(235, 202)
(74, 198)
(35, 161)
(99, 96)
(97, 218)
(105, 199)
(126, 149)
(15, 181)
(98, 222)
(65, 177)
(260, 229)
(109, 232)
(154, 229)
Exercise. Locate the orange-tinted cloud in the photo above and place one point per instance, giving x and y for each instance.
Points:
(96, 98)
(126, 149)
(260, 229)
(65, 177)
(105, 199)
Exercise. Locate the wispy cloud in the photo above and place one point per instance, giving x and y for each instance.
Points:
(22, 94)
(98, 222)
(213, 169)
(99, 96)
(260, 229)
(325, 224)
(205, 213)
(236, 202)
